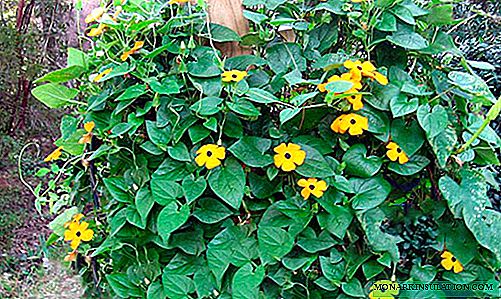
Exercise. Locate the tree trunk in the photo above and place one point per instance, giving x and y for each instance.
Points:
(230, 14)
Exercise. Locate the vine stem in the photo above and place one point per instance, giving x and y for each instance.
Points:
(19, 165)
(491, 115)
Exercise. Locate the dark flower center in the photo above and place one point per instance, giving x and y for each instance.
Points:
(353, 97)
(78, 234)
(352, 121)
(453, 259)
(234, 76)
(311, 187)
(287, 156)
(209, 153)
(359, 67)
(399, 150)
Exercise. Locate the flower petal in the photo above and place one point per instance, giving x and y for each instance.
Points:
(87, 235)
(288, 165)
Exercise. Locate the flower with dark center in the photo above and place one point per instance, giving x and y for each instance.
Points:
(288, 156)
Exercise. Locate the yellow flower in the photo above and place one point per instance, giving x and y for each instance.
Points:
(450, 262)
(288, 156)
(353, 123)
(178, 1)
(312, 186)
(233, 75)
(357, 1)
(210, 155)
(54, 155)
(366, 69)
(78, 232)
(97, 30)
(384, 289)
(137, 45)
(102, 74)
(396, 153)
(94, 15)
(76, 218)
(86, 138)
(71, 257)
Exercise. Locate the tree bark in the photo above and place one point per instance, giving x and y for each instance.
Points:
(229, 13)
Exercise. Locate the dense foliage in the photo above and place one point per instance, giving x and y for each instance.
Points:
(350, 147)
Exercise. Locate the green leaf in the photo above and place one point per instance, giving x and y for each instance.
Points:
(262, 187)
(309, 241)
(358, 164)
(246, 281)
(243, 107)
(207, 106)
(415, 164)
(402, 105)
(424, 273)
(371, 222)
(261, 96)
(333, 271)
(470, 202)
(387, 22)
(353, 288)
(274, 243)
(168, 86)
(370, 192)
(156, 291)
(132, 92)
(433, 122)
(164, 190)
(403, 14)
(371, 269)
(233, 245)
(409, 138)
(62, 75)
(179, 152)
(193, 188)
(171, 218)
(220, 33)
(406, 38)
(57, 225)
(314, 165)
(54, 95)
(379, 123)
(336, 221)
(251, 151)
(118, 189)
(339, 86)
(211, 211)
(228, 182)
(283, 57)
(177, 286)
(288, 114)
(144, 203)
(443, 145)
(76, 57)
(159, 136)
(122, 286)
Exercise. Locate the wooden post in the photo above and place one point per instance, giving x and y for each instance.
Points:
(230, 14)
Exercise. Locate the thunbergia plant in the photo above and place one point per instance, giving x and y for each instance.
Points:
(353, 150)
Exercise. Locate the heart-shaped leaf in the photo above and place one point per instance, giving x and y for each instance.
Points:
(409, 138)
(358, 164)
(433, 121)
